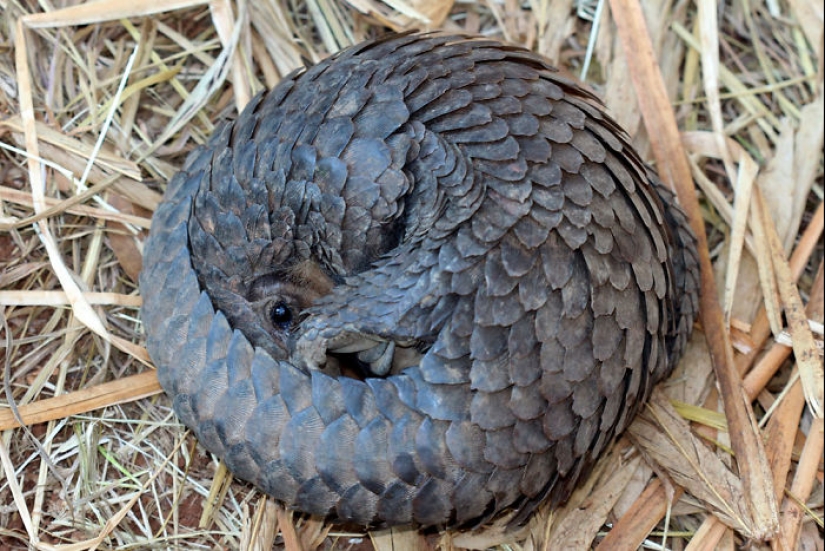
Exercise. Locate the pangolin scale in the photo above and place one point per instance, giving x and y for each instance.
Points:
(421, 282)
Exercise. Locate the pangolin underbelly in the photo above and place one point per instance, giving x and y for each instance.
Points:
(423, 281)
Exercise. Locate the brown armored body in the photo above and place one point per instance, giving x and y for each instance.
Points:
(423, 281)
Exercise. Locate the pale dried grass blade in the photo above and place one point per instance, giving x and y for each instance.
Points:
(698, 414)
(341, 23)
(631, 530)
(711, 192)
(218, 488)
(579, 528)
(491, 535)
(124, 242)
(766, 120)
(59, 298)
(807, 358)
(210, 82)
(406, 8)
(708, 536)
(129, 92)
(766, 64)
(657, 113)
(808, 242)
(758, 377)
(313, 533)
(436, 11)
(120, 391)
(285, 521)
(20, 272)
(591, 40)
(395, 539)
(17, 493)
(104, 130)
(72, 204)
(400, 15)
(674, 169)
(109, 163)
(274, 28)
(762, 372)
(784, 421)
(709, 49)
(156, 59)
(327, 24)
(780, 434)
(744, 435)
(129, 110)
(666, 438)
(744, 177)
(264, 527)
(134, 350)
(118, 517)
(764, 265)
(808, 144)
(81, 308)
(691, 82)
(56, 206)
(809, 14)
(773, 182)
(803, 483)
(555, 23)
(225, 25)
(88, 13)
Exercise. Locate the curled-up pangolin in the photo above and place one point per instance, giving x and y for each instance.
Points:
(423, 281)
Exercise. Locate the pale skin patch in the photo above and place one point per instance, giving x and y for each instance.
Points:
(280, 299)
(299, 288)
(310, 275)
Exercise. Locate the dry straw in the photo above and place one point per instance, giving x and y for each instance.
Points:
(100, 101)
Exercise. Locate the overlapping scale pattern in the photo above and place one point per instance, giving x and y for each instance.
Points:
(478, 212)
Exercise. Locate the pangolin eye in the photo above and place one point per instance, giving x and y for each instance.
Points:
(281, 316)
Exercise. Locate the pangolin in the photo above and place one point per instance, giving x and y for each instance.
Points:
(422, 282)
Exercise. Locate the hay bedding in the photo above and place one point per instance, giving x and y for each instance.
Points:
(100, 102)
